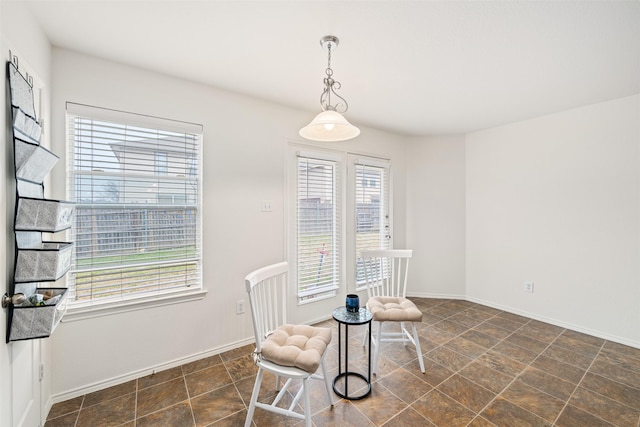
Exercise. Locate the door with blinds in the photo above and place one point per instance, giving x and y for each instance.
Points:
(339, 204)
(370, 201)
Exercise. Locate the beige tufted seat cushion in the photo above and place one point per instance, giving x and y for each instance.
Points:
(301, 346)
(393, 309)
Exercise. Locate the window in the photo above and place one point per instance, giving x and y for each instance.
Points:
(372, 202)
(136, 184)
(318, 226)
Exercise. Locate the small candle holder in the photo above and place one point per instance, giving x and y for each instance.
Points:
(352, 303)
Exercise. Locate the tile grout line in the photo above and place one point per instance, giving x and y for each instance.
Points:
(79, 409)
(184, 380)
(135, 406)
(530, 365)
(578, 385)
(478, 414)
(566, 402)
(235, 386)
(602, 347)
(472, 361)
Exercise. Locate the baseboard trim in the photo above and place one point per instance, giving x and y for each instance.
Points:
(436, 296)
(549, 320)
(100, 385)
(559, 323)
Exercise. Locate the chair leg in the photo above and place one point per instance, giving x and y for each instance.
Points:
(402, 333)
(278, 379)
(254, 399)
(376, 353)
(307, 402)
(418, 349)
(327, 382)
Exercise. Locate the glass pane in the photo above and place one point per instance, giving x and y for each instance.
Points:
(317, 228)
(371, 204)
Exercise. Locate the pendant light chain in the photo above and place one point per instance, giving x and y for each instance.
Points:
(330, 87)
(328, 81)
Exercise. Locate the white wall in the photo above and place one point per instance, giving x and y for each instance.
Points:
(556, 200)
(436, 216)
(244, 163)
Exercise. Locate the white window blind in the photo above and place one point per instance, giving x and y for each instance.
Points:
(136, 184)
(372, 202)
(318, 227)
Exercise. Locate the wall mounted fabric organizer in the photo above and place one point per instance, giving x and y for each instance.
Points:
(34, 309)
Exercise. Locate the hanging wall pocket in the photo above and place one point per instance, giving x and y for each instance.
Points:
(33, 161)
(47, 263)
(25, 127)
(43, 215)
(39, 315)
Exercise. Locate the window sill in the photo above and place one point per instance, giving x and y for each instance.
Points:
(107, 309)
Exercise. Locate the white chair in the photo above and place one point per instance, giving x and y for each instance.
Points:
(386, 275)
(288, 351)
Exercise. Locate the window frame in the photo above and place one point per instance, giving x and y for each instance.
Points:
(93, 307)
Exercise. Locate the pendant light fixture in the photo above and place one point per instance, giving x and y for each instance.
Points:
(330, 124)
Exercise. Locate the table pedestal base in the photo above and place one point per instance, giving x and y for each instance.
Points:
(345, 395)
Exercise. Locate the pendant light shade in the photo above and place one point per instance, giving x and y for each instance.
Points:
(329, 126)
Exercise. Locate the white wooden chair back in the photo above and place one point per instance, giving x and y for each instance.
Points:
(267, 289)
(386, 271)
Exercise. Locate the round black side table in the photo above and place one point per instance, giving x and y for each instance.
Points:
(343, 317)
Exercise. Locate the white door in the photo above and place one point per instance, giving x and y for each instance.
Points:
(369, 200)
(25, 383)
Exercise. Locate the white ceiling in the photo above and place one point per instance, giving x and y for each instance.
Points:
(410, 67)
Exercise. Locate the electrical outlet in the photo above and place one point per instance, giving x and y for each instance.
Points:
(267, 206)
(528, 287)
(240, 306)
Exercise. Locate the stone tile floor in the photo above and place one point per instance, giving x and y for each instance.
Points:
(484, 367)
